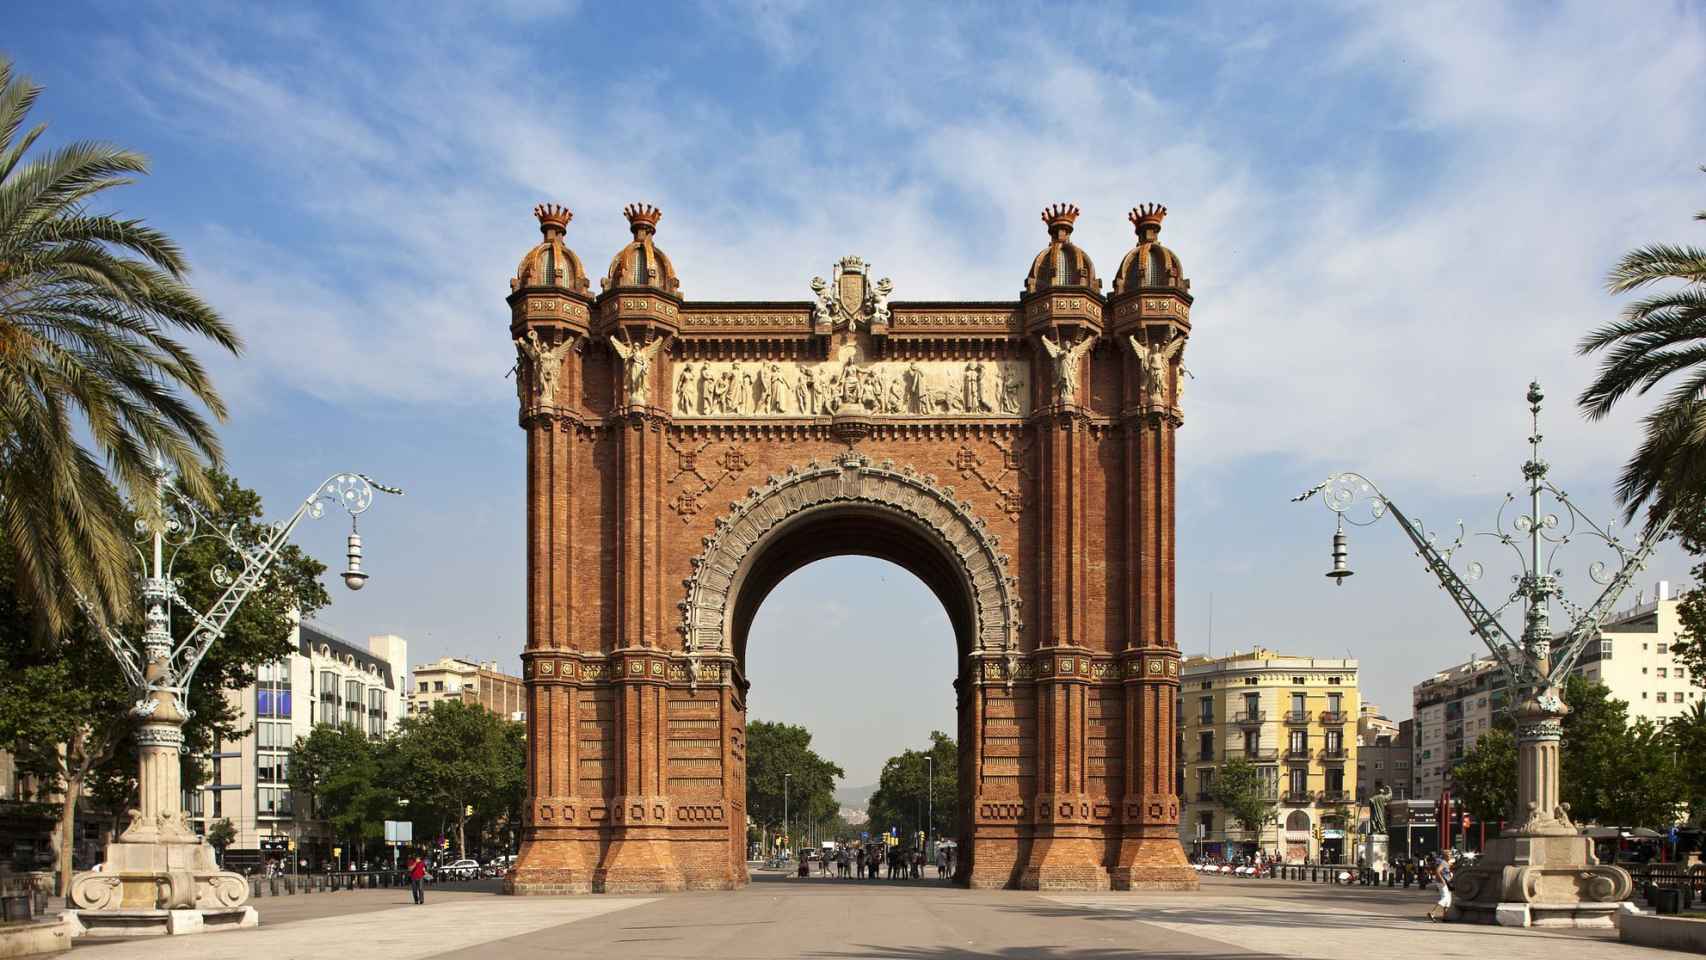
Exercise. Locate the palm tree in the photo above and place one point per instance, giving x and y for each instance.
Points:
(89, 305)
(1658, 336)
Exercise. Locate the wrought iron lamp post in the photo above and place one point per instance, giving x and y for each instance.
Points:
(159, 865)
(1545, 871)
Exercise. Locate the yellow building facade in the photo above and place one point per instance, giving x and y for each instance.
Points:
(1295, 719)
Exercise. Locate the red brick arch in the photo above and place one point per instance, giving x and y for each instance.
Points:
(683, 457)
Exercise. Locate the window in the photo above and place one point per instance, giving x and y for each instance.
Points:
(1660, 698)
(1252, 705)
(423, 686)
(1297, 681)
(1335, 743)
(1205, 745)
(1605, 649)
(1206, 685)
(1677, 698)
(1297, 703)
(1299, 742)
(1663, 673)
(272, 767)
(1205, 820)
(1682, 673)
(1643, 669)
(1333, 680)
(1299, 781)
(1334, 702)
(328, 685)
(1401, 765)
(1205, 709)
(1249, 681)
(438, 686)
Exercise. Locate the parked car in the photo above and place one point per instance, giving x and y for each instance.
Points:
(463, 869)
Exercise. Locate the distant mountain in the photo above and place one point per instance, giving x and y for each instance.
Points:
(857, 798)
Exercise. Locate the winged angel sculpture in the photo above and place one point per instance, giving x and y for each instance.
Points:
(1066, 359)
(546, 365)
(1155, 361)
(637, 366)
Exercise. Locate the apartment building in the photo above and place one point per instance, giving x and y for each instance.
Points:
(1295, 718)
(1633, 658)
(327, 680)
(1453, 708)
(1383, 755)
(476, 682)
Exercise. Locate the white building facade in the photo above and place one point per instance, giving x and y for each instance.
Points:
(327, 680)
(1634, 658)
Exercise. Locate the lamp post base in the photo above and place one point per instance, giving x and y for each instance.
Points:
(119, 924)
(1549, 879)
(147, 888)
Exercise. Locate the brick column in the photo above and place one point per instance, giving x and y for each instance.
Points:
(1150, 855)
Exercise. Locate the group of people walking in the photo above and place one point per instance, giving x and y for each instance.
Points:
(870, 861)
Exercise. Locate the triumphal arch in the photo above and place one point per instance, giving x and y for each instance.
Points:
(684, 456)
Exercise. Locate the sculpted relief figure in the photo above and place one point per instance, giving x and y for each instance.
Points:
(684, 389)
(1066, 366)
(637, 366)
(1155, 363)
(707, 391)
(543, 366)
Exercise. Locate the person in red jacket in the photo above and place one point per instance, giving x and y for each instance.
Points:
(417, 877)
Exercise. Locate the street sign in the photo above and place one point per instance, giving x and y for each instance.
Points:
(399, 831)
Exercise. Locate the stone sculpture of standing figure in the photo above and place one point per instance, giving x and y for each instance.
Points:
(1066, 366)
(637, 361)
(545, 364)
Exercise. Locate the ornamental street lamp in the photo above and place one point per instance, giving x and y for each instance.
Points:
(159, 864)
(1546, 870)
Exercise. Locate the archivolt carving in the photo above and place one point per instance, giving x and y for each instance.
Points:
(851, 478)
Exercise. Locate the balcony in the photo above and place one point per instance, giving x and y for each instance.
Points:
(1334, 716)
(1261, 756)
(1204, 796)
(1297, 753)
(1333, 754)
(1335, 796)
(1205, 756)
(1248, 718)
(1297, 717)
(1299, 796)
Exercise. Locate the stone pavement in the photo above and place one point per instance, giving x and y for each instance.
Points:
(827, 919)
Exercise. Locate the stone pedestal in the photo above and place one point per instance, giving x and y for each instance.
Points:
(1373, 852)
(1541, 880)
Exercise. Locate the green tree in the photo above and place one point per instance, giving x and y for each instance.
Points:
(336, 776)
(90, 304)
(459, 760)
(1485, 779)
(1249, 798)
(64, 708)
(905, 790)
(220, 834)
(1613, 772)
(1687, 735)
(779, 757)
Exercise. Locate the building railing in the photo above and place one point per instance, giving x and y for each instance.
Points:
(1204, 796)
(1299, 796)
(1261, 756)
(1334, 716)
(1205, 756)
(1333, 753)
(1251, 716)
(1297, 753)
(1334, 796)
(1297, 716)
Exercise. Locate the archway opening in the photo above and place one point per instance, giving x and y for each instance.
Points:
(858, 623)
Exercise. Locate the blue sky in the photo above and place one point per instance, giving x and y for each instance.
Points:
(1394, 216)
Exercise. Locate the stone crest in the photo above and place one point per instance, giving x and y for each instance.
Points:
(849, 298)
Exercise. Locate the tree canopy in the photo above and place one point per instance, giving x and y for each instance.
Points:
(90, 305)
(905, 790)
(1248, 798)
(779, 756)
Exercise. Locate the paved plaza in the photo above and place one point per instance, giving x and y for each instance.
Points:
(917, 920)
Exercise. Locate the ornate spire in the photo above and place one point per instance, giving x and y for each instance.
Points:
(552, 217)
(1147, 217)
(642, 218)
(1060, 218)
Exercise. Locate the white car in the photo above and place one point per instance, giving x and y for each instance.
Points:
(460, 870)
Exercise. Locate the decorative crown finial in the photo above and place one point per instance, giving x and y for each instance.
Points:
(552, 216)
(1147, 214)
(1060, 217)
(642, 216)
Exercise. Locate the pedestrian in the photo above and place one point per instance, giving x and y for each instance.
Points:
(1442, 876)
(417, 878)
